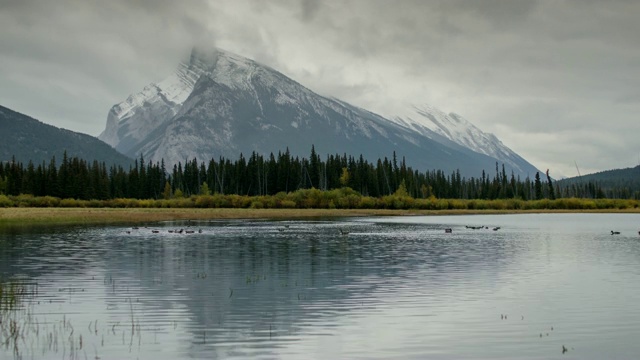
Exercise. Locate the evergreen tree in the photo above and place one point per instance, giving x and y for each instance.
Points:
(552, 194)
(314, 168)
(538, 186)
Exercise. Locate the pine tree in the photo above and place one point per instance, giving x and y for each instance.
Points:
(314, 168)
(538, 186)
(552, 194)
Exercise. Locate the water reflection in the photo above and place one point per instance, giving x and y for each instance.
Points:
(392, 288)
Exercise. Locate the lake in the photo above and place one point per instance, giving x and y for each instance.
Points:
(542, 286)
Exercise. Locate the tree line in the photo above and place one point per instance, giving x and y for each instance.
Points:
(260, 175)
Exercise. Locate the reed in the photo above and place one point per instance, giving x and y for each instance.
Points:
(12, 294)
(27, 336)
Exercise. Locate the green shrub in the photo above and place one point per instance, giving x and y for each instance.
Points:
(5, 201)
(457, 204)
(73, 203)
(204, 201)
(514, 204)
(95, 203)
(367, 202)
(24, 200)
(287, 204)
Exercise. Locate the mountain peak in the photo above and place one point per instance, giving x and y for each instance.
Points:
(218, 103)
(201, 55)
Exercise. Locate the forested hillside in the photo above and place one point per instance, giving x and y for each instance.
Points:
(26, 139)
(618, 183)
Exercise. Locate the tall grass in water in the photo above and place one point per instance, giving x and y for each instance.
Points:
(26, 336)
(13, 294)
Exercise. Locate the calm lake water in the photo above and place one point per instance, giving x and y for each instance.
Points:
(393, 288)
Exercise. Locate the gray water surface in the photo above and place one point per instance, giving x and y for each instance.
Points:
(397, 288)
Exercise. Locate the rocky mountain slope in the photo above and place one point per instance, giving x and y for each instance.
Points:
(221, 104)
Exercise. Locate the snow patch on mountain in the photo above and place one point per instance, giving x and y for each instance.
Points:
(432, 122)
(165, 97)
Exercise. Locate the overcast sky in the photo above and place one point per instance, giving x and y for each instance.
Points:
(556, 81)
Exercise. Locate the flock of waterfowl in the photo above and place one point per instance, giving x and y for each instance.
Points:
(170, 231)
(618, 232)
(189, 231)
(342, 231)
(450, 230)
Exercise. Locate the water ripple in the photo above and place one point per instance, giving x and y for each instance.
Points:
(397, 288)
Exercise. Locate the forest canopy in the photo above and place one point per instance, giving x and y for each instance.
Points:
(75, 178)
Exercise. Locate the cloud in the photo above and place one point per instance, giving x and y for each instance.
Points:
(309, 8)
(78, 49)
(530, 71)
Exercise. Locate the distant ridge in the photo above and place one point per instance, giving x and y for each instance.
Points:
(28, 139)
(622, 182)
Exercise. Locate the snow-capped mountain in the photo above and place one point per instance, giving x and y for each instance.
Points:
(130, 122)
(222, 104)
(434, 123)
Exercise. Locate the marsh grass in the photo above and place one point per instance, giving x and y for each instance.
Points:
(26, 336)
(13, 293)
(26, 210)
(15, 317)
(75, 216)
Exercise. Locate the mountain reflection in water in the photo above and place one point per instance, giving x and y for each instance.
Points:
(390, 288)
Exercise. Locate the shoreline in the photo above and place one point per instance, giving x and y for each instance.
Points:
(23, 217)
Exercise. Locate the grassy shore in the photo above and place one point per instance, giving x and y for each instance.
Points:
(78, 216)
(96, 216)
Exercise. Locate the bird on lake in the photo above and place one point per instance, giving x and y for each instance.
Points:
(448, 230)
(615, 232)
